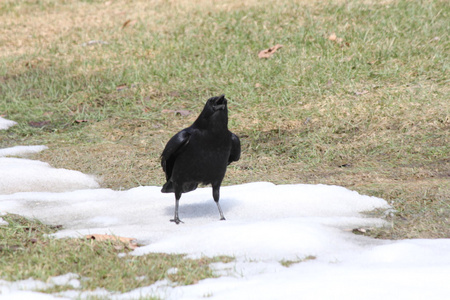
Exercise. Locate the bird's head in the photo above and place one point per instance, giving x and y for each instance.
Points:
(215, 113)
(217, 103)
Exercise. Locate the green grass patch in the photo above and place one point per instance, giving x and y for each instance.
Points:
(27, 251)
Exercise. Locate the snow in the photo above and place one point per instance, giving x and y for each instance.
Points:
(21, 150)
(20, 289)
(5, 124)
(266, 224)
(25, 175)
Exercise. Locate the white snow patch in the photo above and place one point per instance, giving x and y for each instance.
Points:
(28, 295)
(24, 175)
(70, 279)
(21, 150)
(5, 124)
(265, 225)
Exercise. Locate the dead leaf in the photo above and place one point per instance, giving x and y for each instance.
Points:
(130, 243)
(258, 85)
(128, 23)
(372, 62)
(332, 37)
(269, 52)
(81, 121)
(121, 87)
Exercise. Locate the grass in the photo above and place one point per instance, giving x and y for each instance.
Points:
(27, 251)
(288, 263)
(358, 95)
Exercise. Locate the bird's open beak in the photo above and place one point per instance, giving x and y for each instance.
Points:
(220, 103)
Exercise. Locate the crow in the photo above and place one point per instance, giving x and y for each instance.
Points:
(200, 153)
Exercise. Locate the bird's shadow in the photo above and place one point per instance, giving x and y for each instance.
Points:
(206, 208)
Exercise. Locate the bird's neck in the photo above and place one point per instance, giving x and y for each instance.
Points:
(218, 124)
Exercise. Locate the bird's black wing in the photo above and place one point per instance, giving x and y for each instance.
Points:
(235, 152)
(175, 146)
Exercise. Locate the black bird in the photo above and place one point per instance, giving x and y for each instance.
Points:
(200, 153)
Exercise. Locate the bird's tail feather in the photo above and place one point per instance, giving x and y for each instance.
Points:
(167, 187)
(187, 187)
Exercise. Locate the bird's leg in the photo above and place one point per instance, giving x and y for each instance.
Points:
(216, 195)
(176, 219)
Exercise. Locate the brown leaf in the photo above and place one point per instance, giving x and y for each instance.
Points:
(121, 87)
(128, 23)
(332, 37)
(81, 121)
(258, 85)
(269, 52)
(129, 242)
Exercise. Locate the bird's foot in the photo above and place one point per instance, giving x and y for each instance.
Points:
(222, 219)
(176, 220)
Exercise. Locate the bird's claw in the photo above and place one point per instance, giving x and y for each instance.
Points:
(177, 221)
(222, 219)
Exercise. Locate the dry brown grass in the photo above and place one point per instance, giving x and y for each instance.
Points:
(27, 25)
